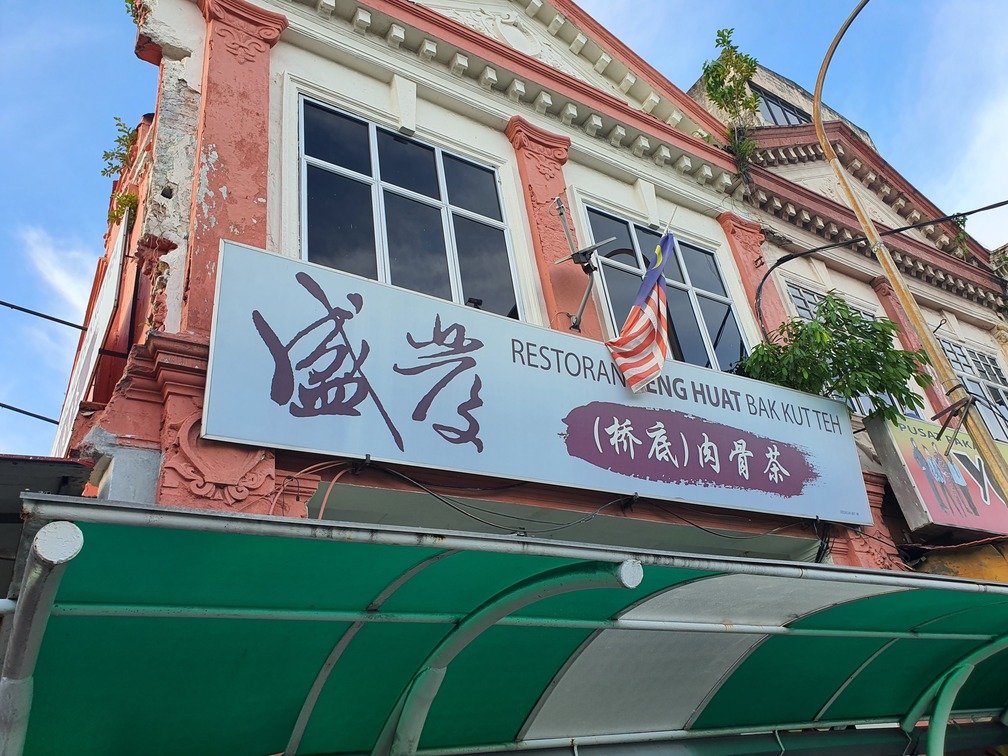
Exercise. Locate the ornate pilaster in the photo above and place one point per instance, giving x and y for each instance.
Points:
(746, 242)
(908, 336)
(541, 157)
(229, 190)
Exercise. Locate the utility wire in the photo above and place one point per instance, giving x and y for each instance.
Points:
(29, 414)
(795, 255)
(38, 314)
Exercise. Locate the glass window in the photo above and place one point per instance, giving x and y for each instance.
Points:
(703, 329)
(396, 210)
(983, 377)
(779, 112)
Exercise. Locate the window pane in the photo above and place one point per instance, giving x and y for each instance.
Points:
(702, 269)
(416, 247)
(993, 422)
(957, 357)
(407, 164)
(604, 227)
(648, 240)
(778, 113)
(804, 300)
(336, 139)
(622, 288)
(988, 367)
(472, 187)
(723, 331)
(764, 109)
(684, 333)
(484, 266)
(340, 223)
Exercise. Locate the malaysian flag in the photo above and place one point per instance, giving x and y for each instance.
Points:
(642, 346)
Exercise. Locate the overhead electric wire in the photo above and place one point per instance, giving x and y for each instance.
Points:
(12, 408)
(38, 314)
(853, 240)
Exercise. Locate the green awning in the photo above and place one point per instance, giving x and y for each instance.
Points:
(198, 632)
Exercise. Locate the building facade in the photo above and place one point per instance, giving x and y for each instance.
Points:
(368, 456)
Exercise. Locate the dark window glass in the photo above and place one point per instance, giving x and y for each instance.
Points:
(336, 139)
(622, 288)
(723, 331)
(408, 164)
(604, 227)
(484, 266)
(471, 187)
(702, 269)
(648, 240)
(778, 113)
(416, 247)
(684, 333)
(340, 223)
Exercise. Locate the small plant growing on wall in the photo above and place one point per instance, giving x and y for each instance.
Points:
(118, 159)
(842, 354)
(133, 9)
(125, 201)
(726, 81)
(117, 162)
(961, 238)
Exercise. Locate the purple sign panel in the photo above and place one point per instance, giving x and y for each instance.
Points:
(308, 358)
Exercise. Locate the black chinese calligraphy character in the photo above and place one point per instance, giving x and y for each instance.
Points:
(452, 347)
(335, 383)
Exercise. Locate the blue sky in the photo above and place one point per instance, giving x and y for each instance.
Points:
(928, 79)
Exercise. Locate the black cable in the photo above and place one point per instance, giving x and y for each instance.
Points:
(30, 414)
(795, 255)
(38, 314)
(462, 508)
(665, 509)
(442, 499)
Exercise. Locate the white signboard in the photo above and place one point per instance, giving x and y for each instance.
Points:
(94, 338)
(307, 358)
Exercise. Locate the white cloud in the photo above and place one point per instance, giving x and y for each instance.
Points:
(962, 109)
(66, 268)
(976, 175)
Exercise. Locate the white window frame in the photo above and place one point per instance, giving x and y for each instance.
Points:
(379, 187)
(968, 363)
(608, 315)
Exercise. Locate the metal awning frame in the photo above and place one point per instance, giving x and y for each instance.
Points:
(55, 544)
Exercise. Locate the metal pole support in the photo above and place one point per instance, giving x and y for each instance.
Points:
(53, 547)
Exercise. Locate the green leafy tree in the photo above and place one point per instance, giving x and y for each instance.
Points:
(726, 81)
(842, 354)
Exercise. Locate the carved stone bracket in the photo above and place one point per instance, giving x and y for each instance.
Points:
(541, 157)
(245, 30)
(198, 472)
(211, 474)
(745, 239)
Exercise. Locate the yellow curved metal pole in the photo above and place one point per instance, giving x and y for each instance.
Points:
(972, 422)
